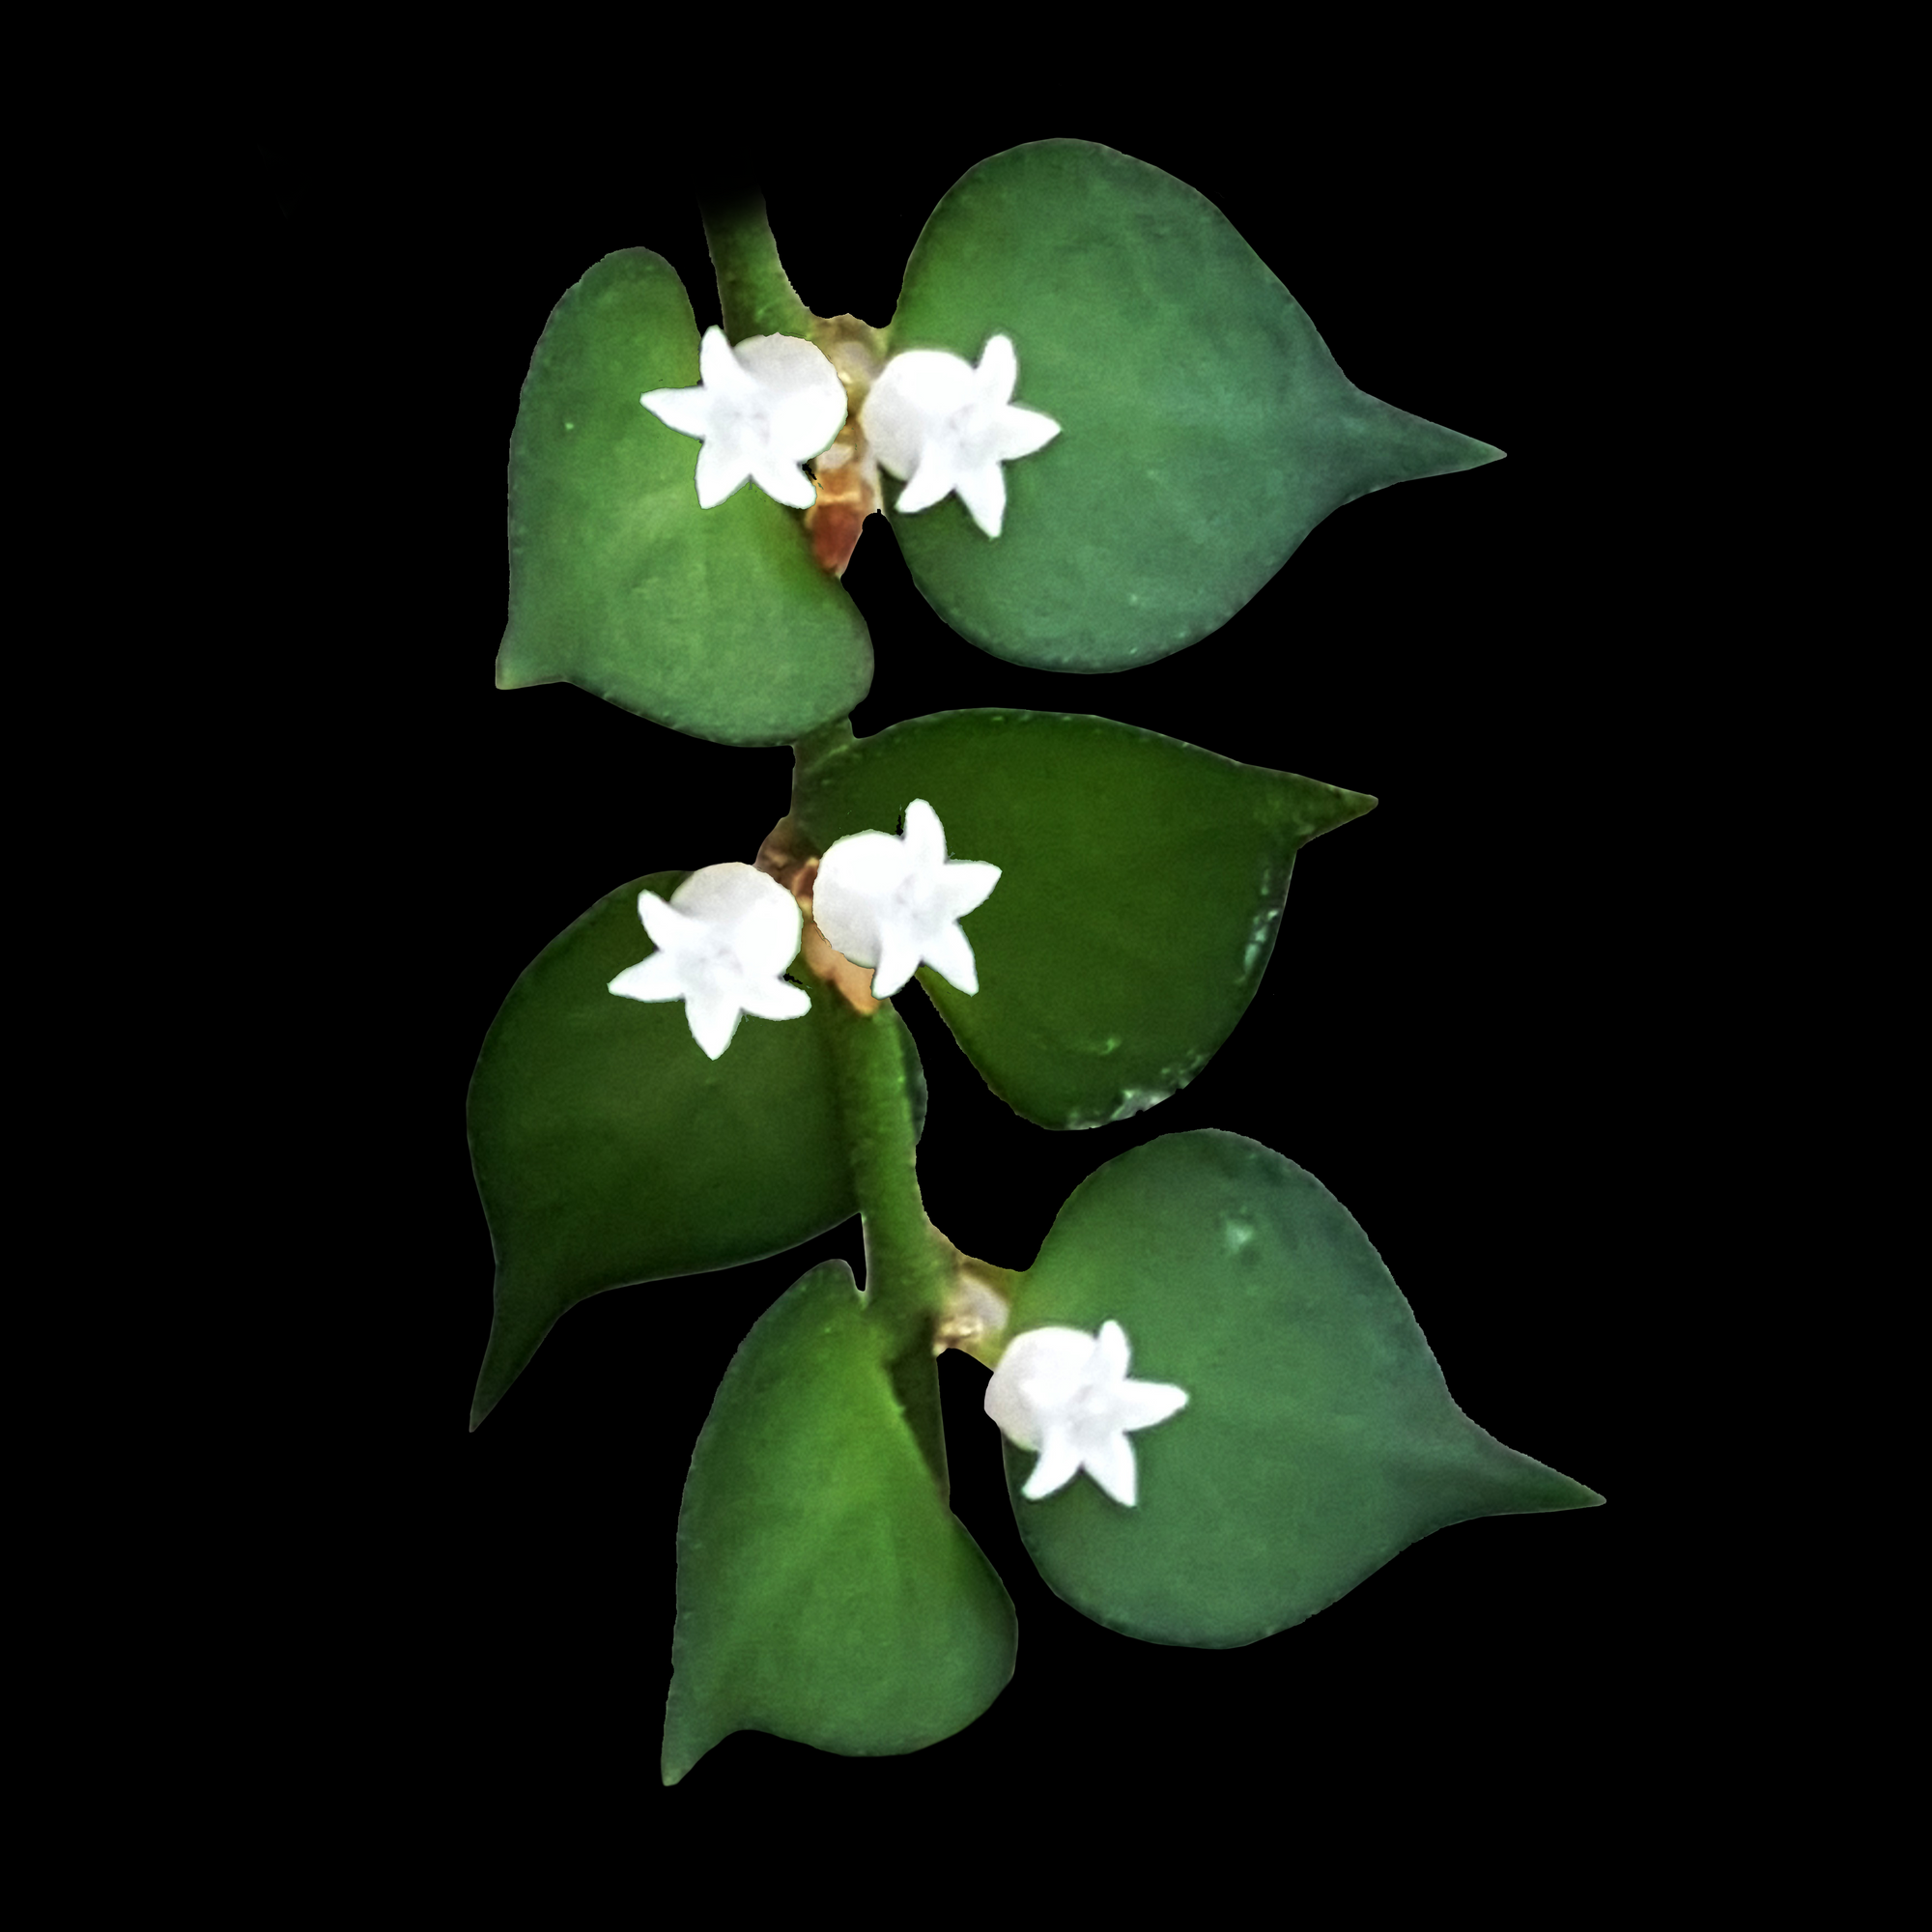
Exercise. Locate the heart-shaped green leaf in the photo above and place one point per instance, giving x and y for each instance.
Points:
(825, 1591)
(716, 622)
(1204, 429)
(607, 1149)
(1318, 1437)
(1141, 889)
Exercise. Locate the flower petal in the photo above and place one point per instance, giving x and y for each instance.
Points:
(949, 954)
(889, 902)
(1041, 1364)
(1058, 1463)
(999, 370)
(798, 386)
(924, 837)
(934, 479)
(713, 1014)
(1112, 1465)
(983, 492)
(1065, 1392)
(669, 925)
(784, 482)
(724, 893)
(766, 933)
(965, 885)
(1142, 1404)
(913, 390)
(721, 471)
(723, 938)
(775, 999)
(763, 409)
(686, 410)
(856, 875)
(721, 370)
(654, 979)
(1020, 432)
(899, 956)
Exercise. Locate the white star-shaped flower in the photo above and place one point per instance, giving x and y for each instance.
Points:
(763, 409)
(944, 426)
(892, 903)
(722, 939)
(1066, 1393)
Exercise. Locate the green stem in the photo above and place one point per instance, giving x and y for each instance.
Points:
(757, 296)
(906, 1277)
(811, 756)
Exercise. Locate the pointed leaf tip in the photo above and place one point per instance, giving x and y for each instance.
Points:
(1116, 545)
(825, 1591)
(1077, 1021)
(1319, 1438)
(604, 1138)
(621, 581)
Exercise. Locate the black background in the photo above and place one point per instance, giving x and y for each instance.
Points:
(1427, 1038)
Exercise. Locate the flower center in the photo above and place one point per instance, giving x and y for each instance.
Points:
(972, 431)
(717, 957)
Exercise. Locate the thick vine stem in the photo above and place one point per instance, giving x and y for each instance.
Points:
(975, 1297)
(906, 1279)
(753, 292)
(809, 758)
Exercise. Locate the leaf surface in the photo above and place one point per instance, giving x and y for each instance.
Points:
(825, 1591)
(608, 1148)
(714, 622)
(1141, 891)
(1205, 428)
(1318, 1437)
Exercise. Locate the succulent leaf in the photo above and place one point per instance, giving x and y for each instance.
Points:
(825, 1591)
(1204, 428)
(716, 622)
(1318, 1437)
(610, 1148)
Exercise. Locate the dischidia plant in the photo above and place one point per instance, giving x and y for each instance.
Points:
(1217, 1412)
